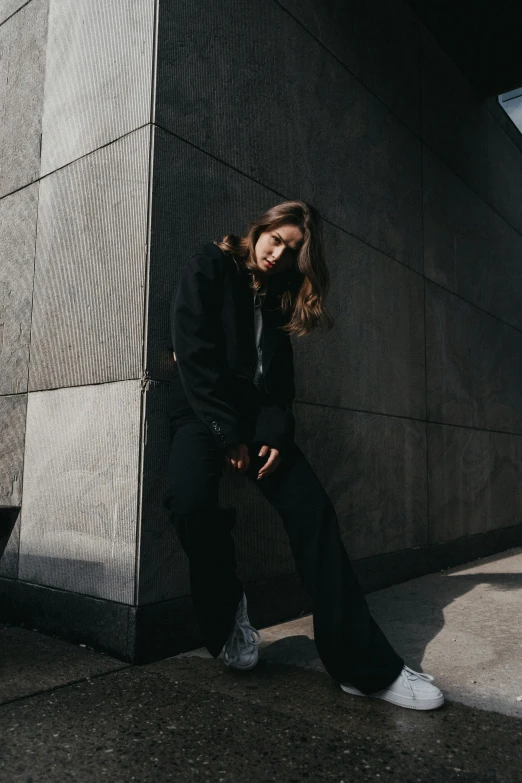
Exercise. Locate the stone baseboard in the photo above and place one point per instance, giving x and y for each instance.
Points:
(154, 631)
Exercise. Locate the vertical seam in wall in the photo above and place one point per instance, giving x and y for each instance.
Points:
(426, 420)
(27, 381)
(144, 379)
(154, 63)
(38, 181)
(38, 186)
(32, 293)
(423, 234)
(149, 193)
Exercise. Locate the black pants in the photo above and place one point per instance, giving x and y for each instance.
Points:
(349, 642)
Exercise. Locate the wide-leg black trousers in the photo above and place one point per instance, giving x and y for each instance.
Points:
(349, 642)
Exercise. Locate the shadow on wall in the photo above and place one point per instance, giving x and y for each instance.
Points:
(8, 517)
(68, 574)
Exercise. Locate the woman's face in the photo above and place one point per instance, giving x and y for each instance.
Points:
(277, 250)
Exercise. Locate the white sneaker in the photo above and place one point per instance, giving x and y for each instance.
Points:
(411, 689)
(240, 651)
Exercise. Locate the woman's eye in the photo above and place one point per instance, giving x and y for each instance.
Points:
(276, 238)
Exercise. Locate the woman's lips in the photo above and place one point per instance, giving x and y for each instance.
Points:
(270, 264)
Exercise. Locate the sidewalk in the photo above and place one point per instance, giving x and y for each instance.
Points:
(69, 713)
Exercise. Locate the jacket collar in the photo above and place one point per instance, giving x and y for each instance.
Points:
(272, 316)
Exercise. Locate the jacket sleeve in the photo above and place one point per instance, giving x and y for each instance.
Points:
(198, 340)
(275, 423)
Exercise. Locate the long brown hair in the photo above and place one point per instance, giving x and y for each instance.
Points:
(306, 282)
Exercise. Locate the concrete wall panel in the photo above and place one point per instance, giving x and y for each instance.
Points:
(458, 126)
(18, 214)
(474, 365)
(378, 43)
(469, 248)
(374, 470)
(90, 268)
(22, 71)
(79, 514)
(474, 481)
(9, 7)
(373, 359)
(99, 76)
(284, 111)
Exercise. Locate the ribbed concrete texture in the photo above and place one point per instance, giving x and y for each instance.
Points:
(369, 365)
(22, 70)
(469, 248)
(98, 82)
(461, 625)
(18, 214)
(287, 113)
(90, 268)
(473, 380)
(79, 512)
(10, 7)
(12, 435)
(458, 127)
(474, 481)
(374, 470)
(377, 42)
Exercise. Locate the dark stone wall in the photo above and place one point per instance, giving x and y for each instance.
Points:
(410, 410)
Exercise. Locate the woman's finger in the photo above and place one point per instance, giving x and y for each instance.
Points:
(244, 460)
(270, 465)
(243, 464)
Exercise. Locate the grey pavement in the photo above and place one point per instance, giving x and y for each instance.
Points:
(70, 713)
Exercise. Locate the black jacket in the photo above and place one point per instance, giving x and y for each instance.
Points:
(212, 333)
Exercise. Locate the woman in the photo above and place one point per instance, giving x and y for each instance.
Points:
(238, 301)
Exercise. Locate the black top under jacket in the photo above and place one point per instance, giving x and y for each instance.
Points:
(212, 334)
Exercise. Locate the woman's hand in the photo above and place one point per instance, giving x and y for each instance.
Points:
(237, 457)
(272, 462)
